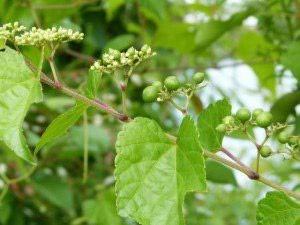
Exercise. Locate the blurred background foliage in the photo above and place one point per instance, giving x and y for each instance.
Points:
(229, 38)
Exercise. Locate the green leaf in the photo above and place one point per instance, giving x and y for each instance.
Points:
(54, 190)
(277, 208)
(284, 106)
(156, 7)
(219, 173)
(61, 124)
(94, 78)
(19, 88)
(292, 57)
(253, 47)
(153, 174)
(102, 210)
(121, 42)
(208, 120)
(209, 32)
(175, 36)
(111, 7)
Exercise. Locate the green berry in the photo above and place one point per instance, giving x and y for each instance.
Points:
(228, 120)
(172, 83)
(243, 114)
(264, 119)
(256, 112)
(265, 151)
(221, 128)
(150, 94)
(157, 84)
(198, 77)
(283, 137)
(293, 141)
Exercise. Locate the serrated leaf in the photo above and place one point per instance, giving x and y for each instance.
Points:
(102, 210)
(208, 120)
(219, 173)
(277, 209)
(153, 174)
(61, 124)
(19, 88)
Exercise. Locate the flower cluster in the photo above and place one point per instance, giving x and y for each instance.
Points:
(9, 30)
(40, 37)
(114, 59)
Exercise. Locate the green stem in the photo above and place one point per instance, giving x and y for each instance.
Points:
(183, 111)
(257, 161)
(4, 192)
(86, 148)
(39, 70)
(24, 176)
(52, 64)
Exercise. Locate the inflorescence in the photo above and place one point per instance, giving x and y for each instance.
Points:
(113, 59)
(36, 36)
(9, 30)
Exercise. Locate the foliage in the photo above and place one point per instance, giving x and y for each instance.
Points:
(130, 99)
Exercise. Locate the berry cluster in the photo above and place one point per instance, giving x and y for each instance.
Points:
(40, 37)
(9, 30)
(171, 87)
(244, 118)
(292, 143)
(113, 59)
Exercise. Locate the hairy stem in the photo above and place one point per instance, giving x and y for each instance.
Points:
(182, 110)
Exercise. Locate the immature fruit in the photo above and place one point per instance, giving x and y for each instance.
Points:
(221, 128)
(150, 94)
(243, 114)
(172, 83)
(293, 141)
(283, 137)
(157, 84)
(198, 77)
(265, 151)
(264, 119)
(228, 120)
(256, 112)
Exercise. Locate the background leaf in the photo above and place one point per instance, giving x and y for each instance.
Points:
(218, 173)
(208, 120)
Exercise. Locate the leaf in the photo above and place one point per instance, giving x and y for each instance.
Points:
(156, 7)
(209, 32)
(112, 7)
(102, 210)
(291, 58)
(253, 47)
(54, 190)
(153, 174)
(19, 88)
(121, 42)
(208, 120)
(219, 173)
(94, 78)
(277, 208)
(61, 124)
(175, 36)
(284, 106)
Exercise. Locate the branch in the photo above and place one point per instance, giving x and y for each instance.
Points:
(124, 118)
